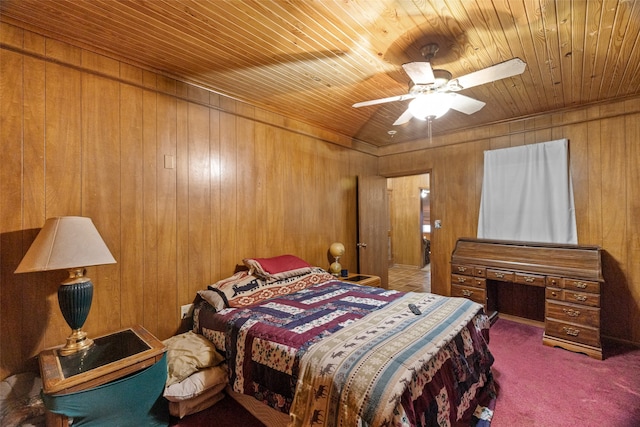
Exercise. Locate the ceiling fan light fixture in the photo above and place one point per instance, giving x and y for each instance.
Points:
(432, 105)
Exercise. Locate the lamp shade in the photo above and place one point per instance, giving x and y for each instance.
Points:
(432, 105)
(66, 242)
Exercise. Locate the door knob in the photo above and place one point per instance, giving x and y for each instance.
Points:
(361, 245)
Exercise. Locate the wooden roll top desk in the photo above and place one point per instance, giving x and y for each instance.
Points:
(559, 285)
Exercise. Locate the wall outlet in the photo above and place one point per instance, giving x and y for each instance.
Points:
(186, 311)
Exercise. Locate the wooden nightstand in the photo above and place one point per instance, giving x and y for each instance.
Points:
(362, 279)
(112, 357)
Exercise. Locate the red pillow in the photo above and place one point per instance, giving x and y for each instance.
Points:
(279, 267)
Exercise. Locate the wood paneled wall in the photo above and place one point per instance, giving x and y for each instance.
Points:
(604, 144)
(406, 228)
(182, 184)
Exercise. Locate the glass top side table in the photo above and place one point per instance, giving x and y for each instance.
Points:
(112, 356)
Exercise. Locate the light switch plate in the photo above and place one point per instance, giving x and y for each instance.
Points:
(186, 311)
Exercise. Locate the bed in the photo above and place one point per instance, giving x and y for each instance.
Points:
(332, 353)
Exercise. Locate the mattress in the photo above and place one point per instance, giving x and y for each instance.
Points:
(336, 353)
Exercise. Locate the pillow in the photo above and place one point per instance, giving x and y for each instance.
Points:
(197, 383)
(243, 289)
(213, 298)
(229, 292)
(190, 406)
(188, 352)
(279, 267)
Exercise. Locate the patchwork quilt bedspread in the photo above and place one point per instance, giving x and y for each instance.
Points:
(340, 354)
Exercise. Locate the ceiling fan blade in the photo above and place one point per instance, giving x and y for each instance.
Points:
(420, 73)
(499, 71)
(464, 104)
(383, 100)
(404, 118)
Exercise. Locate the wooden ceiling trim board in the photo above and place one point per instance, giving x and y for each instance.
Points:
(596, 36)
(553, 59)
(490, 41)
(326, 80)
(520, 87)
(138, 38)
(540, 75)
(578, 19)
(563, 19)
(566, 14)
(474, 52)
(616, 70)
(234, 63)
(630, 78)
(55, 35)
(631, 55)
(238, 77)
(327, 45)
(531, 80)
(605, 49)
(590, 28)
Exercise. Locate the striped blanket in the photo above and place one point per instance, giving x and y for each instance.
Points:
(383, 371)
(355, 355)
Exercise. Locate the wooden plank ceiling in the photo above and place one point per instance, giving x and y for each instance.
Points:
(312, 60)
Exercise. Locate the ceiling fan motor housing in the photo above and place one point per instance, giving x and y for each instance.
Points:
(441, 78)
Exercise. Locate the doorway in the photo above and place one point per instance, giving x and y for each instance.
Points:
(425, 220)
(410, 232)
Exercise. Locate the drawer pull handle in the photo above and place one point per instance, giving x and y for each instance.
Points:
(462, 279)
(462, 269)
(571, 313)
(580, 285)
(581, 298)
(529, 279)
(554, 294)
(500, 275)
(467, 293)
(571, 331)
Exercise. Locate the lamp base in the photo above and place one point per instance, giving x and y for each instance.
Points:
(76, 342)
(74, 297)
(335, 268)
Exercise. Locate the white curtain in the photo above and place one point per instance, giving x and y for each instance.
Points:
(527, 194)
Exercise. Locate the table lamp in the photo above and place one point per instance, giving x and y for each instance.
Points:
(336, 250)
(72, 243)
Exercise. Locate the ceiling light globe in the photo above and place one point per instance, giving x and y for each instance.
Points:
(433, 105)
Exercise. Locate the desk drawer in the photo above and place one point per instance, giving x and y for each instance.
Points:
(587, 316)
(474, 294)
(530, 279)
(582, 286)
(592, 300)
(555, 282)
(554, 293)
(504, 276)
(479, 271)
(577, 333)
(457, 279)
(462, 269)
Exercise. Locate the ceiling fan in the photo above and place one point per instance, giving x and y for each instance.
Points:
(434, 92)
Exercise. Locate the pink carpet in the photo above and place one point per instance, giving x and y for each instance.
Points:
(542, 386)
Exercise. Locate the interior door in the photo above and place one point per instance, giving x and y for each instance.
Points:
(373, 227)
